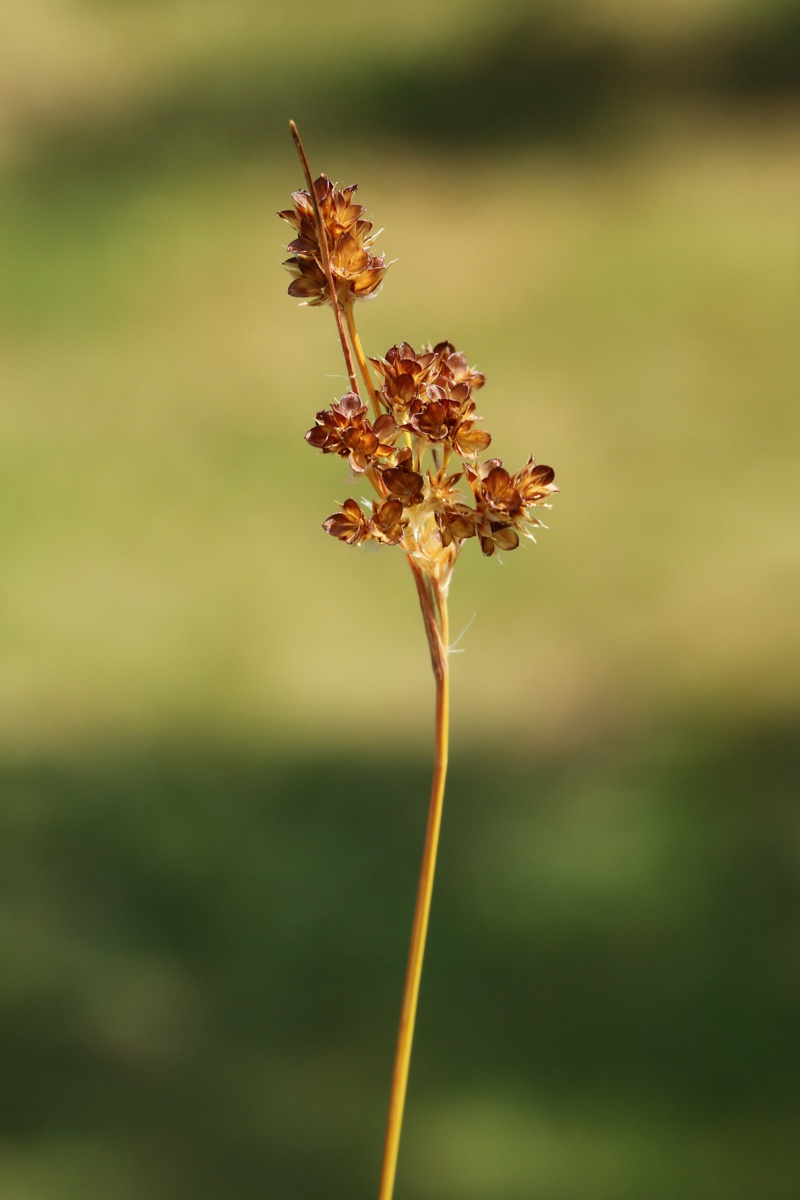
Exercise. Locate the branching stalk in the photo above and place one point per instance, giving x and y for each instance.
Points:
(437, 639)
(322, 234)
(362, 359)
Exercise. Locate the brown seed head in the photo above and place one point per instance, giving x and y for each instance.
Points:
(497, 535)
(343, 429)
(535, 483)
(408, 377)
(404, 372)
(453, 368)
(503, 501)
(357, 274)
(456, 522)
(388, 524)
(350, 525)
(403, 483)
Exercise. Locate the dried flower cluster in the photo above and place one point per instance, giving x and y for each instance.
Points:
(419, 449)
(357, 273)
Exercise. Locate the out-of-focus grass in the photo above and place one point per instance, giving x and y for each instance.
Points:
(636, 317)
(203, 943)
(125, 79)
(203, 952)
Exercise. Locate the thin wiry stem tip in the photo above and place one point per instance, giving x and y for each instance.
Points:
(326, 257)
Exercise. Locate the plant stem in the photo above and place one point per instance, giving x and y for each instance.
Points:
(432, 598)
(361, 357)
(326, 257)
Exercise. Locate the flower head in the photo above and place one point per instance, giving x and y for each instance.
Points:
(344, 429)
(357, 274)
(350, 525)
(424, 420)
(503, 501)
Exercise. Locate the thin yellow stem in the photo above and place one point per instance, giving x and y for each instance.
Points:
(437, 638)
(361, 358)
(325, 254)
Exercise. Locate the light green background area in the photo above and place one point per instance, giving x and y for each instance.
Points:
(634, 308)
(215, 721)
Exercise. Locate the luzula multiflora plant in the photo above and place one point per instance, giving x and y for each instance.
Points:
(409, 429)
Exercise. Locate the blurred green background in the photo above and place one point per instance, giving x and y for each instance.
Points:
(215, 722)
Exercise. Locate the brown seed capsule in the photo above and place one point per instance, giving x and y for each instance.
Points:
(387, 524)
(404, 484)
(350, 525)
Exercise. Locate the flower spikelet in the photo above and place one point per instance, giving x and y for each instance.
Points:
(350, 525)
(388, 524)
(404, 372)
(357, 273)
(402, 482)
(344, 429)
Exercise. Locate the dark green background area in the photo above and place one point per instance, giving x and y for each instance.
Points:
(215, 722)
(203, 955)
(534, 72)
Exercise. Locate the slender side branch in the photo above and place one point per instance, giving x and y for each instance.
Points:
(326, 256)
(437, 638)
(362, 359)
